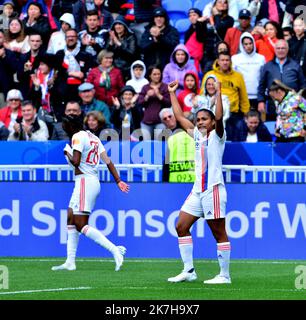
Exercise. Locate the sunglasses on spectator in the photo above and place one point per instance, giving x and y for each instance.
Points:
(14, 99)
(168, 117)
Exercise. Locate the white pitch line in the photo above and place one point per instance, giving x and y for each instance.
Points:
(236, 261)
(45, 290)
(211, 289)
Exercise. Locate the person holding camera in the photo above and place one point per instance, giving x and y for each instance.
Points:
(29, 127)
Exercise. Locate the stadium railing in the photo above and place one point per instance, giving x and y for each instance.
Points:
(153, 173)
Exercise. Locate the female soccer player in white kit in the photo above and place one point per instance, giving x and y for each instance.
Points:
(87, 150)
(208, 196)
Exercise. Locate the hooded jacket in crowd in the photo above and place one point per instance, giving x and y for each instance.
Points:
(125, 53)
(75, 7)
(233, 38)
(249, 65)
(138, 84)
(159, 52)
(58, 38)
(173, 71)
(126, 119)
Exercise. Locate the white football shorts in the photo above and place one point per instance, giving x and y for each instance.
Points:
(85, 193)
(210, 204)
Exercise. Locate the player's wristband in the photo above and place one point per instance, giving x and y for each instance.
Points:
(118, 180)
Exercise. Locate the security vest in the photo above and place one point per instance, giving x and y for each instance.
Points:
(181, 157)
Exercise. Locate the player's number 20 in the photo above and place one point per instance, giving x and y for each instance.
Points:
(93, 155)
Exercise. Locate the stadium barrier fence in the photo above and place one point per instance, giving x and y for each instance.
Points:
(153, 173)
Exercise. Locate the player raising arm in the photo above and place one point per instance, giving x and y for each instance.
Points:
(85, 155)
(208, 196)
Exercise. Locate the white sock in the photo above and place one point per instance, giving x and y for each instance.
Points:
(72, 243)
(98, 237)
(186, 250)
(224, 252)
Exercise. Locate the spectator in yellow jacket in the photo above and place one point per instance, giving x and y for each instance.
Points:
(233, 85)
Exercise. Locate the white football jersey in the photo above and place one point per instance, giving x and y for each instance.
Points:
(208, 160)
(91, 148)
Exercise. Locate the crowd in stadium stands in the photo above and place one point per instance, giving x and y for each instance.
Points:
(112, 61)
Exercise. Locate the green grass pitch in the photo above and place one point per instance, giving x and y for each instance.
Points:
(145, 279)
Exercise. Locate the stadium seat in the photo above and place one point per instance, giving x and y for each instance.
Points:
(182, 26)
(177, 9)
(200, 4)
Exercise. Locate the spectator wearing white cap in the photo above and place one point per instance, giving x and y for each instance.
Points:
(57, 41)
(75, 7)
(90, 103)
(12, 110)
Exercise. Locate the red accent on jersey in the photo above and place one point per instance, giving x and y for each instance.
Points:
(93, 155)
